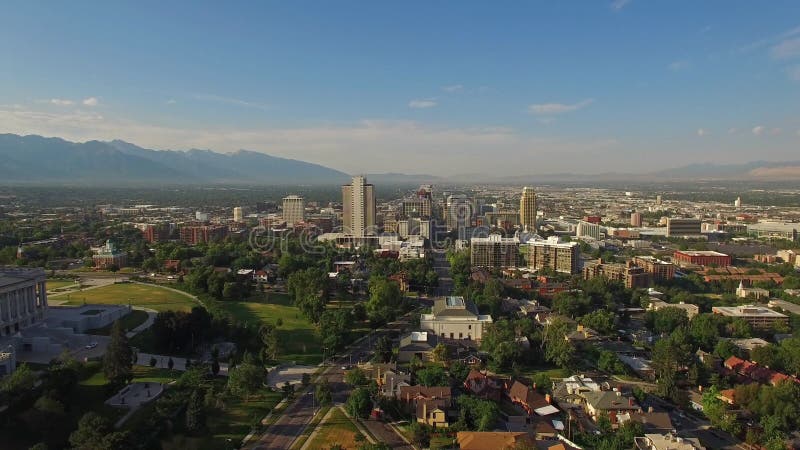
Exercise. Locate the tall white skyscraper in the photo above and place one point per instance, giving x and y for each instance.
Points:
(294, 210)
(238, 214)
(527, 209)
(358, 207)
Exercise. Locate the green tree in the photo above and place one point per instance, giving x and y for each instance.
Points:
(610, 362)
(245, 379)
(118, 360)
(355, 377)
(557, 349)
(385, 299)
(602, 321)
(195, 413)
(270, 342)
(383, 349)
(95, 432)
(359, 404)
(665, 320)
(309, 289)
(476, 414)
(432, 376)
(323, 393)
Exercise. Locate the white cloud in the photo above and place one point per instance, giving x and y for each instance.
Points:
(171, 101)
(549, 109)
(775, 131)
(732, 130)
(702, 132)
(617, 5)
(422, 103)
(61, 102)
(787, 49)
(230, 101)
(759, 130)
(453, 88)
(91, 101)
(676, 66)
(769, 40)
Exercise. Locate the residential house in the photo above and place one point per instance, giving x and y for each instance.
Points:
(608, 403)
(419, 344)
(484, 386)
(433, 412)
(582, 334)
(666, 442)
(529, 399)
(494, 440)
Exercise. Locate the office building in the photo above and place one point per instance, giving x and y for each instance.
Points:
(194, 234)
(679, 227)
(658, 200)
(551, 254)
(588, 229)
(757, 316)
(527, 209)
(417, 207)
(109, 256)
(154, 233)
(201, 216)
(458, 212)
(780, 230)
(495, 251)
(23, 298)
(636, 219)
(294, 210)
(238, 214)
(701, 258)
(358, 208)
(455, 318)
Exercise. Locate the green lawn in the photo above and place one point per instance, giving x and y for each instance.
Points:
(129, 322)
(337, 429)
(299, 341)
(53, 285)
(148, 296)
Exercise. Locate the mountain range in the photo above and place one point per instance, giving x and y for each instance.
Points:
(36, 159)
(43, 160)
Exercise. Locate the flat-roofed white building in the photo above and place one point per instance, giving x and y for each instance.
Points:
(455, 318)
(757, 316)
(782, 230)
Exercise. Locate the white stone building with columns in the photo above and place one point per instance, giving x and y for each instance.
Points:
(23, 298)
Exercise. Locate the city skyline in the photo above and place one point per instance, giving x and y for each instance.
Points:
(613, 86)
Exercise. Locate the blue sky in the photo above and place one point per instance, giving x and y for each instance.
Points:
(417, 87)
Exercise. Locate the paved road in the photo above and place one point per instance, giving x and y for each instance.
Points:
(292, 421)
(442, 268)
(383, 432)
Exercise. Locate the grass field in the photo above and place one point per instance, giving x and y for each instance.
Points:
(338, 429)
(53, 285)
(148, 296)
(299, 341)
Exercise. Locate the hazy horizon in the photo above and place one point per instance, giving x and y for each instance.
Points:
(440, 89)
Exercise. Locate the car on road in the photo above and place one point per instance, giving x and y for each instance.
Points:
(90, 345)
